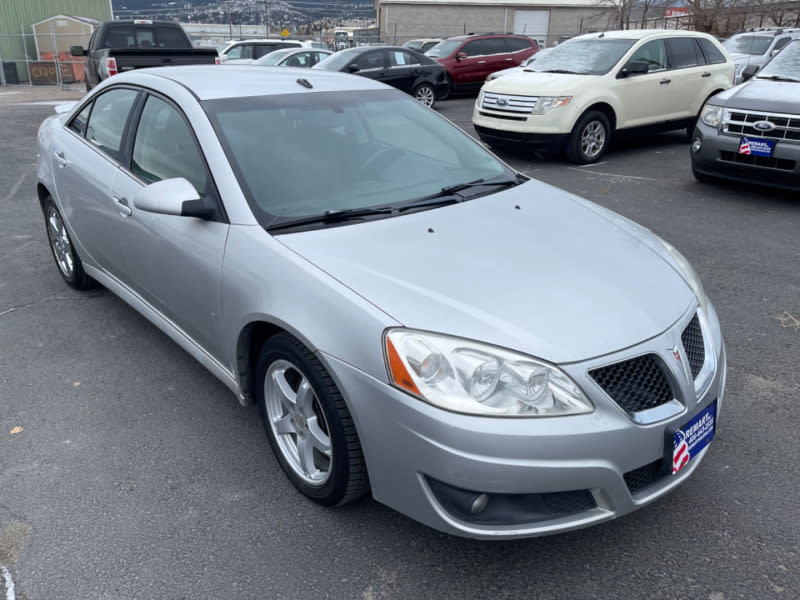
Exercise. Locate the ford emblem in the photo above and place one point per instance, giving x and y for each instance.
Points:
(763, 126)
(504, 102)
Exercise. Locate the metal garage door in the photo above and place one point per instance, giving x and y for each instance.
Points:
(533, 23)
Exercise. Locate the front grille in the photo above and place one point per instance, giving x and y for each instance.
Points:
(637, 384)
(741, 122)
(644, 477)
(508, 103)
(506, 117)
(781, 164)
(692, 338)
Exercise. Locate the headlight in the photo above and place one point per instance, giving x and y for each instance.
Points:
(545, 103)
(711, 115)
(689, 275)
(479, 379)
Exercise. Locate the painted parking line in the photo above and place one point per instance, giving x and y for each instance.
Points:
(614, 175)
(9, 583)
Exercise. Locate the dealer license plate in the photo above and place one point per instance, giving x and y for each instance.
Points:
(690, 439)
(756, 146)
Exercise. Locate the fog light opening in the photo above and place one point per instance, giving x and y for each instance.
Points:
(479, 504)
(697, 143)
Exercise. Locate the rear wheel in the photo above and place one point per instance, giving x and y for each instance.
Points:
(589, 138)
(67, 260)
(424, 94)
(307, 423)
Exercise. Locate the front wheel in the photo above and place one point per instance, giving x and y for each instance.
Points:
(307, 423)
(589, 138)
(425, 95)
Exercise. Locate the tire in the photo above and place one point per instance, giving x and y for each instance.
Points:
(425, 95)
(67, 260)
(448, 90)
(589, 138)
(307, 423)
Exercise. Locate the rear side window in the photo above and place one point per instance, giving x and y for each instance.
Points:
(107, 121)
(682, 53)
(516, 44)
(781, 43)
(495, 46)
(713, 55)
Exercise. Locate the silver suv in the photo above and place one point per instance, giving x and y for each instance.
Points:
(757, 46)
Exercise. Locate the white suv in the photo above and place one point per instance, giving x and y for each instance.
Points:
(757, 46)
(574, 98)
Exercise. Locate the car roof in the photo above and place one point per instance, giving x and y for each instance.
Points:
(470, 36)
(212, 82)
(638, 34)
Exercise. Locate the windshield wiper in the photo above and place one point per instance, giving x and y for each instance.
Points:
(450, 194)
(561, 71)
(777, 78)
(332, 216)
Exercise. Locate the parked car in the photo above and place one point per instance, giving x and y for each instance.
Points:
(469, 59)
(117, 46)
(415, 319)
(521, 68)
(575, 98)
(751, 132)
(247, 51)
(757, 46)
(405, 69)
(293, 57)
(422, 44)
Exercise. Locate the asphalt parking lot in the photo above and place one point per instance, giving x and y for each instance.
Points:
(128, 471)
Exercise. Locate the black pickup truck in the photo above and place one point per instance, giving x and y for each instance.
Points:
(117, 46)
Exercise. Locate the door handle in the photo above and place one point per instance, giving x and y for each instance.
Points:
(60, 159)
(509, 59)
(706, 74)
(481, 62)
(416, 71)
(664, 81)
(122, 205)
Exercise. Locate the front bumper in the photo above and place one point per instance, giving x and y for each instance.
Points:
(543, 475)
(719, 156)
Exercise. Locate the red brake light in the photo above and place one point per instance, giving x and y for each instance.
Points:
(217, 61)
(111, 66)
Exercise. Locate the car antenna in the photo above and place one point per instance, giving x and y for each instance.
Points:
(305, 83)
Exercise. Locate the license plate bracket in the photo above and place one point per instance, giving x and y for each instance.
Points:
(683, 443)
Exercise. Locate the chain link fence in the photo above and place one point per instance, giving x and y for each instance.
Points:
(42, 58)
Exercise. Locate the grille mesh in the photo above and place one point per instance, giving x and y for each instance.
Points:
(644, 477)
(637, 384)
(692, 338)
(783, 164)
(786, 127)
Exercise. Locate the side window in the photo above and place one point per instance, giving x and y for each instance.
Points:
(107, 120)
(371, 60)
(474, 48)
(516, 44)
(399, 58)
(781, 43)
(494, 46)
(301, 59)
(165, 148)
(234, 53)
(654, 54)
(78, 123)
(682, 53)
(713, 55)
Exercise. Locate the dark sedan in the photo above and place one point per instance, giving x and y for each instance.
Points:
(405, 69)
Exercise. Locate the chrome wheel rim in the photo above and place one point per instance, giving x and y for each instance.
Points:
(593, 138)
(59, 242)
(425, 96)
(298, 423)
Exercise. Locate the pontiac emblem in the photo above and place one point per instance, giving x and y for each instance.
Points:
(763, 126)
(676, 353)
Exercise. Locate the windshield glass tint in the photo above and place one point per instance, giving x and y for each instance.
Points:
(587, 57)
(445, 48)
(300, 155)
(748, 44)
(785, 64)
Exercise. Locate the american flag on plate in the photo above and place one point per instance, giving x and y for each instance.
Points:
(744, 147)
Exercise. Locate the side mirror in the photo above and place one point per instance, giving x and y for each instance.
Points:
(775, 52)
(749, 71)
(77, 51)
(461, 56)
(634, 67)
(353, 68)
(175, 197)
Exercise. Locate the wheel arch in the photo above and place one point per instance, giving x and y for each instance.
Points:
(42, 193)
(602, 107)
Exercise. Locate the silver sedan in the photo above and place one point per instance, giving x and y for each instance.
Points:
(487, 354)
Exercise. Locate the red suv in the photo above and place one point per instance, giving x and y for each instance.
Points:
(469, 59)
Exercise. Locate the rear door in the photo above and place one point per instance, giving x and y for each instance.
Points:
(402, 70)
(692, 79)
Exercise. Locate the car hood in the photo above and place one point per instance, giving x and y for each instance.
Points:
(532, 268)
(534, 82)
(762, 94)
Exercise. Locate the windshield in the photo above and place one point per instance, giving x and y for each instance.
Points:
(586, 57)
(444, 49)
(273, 58)
(338, 60)
(747, 43)
(336, 151)
(785, 64)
